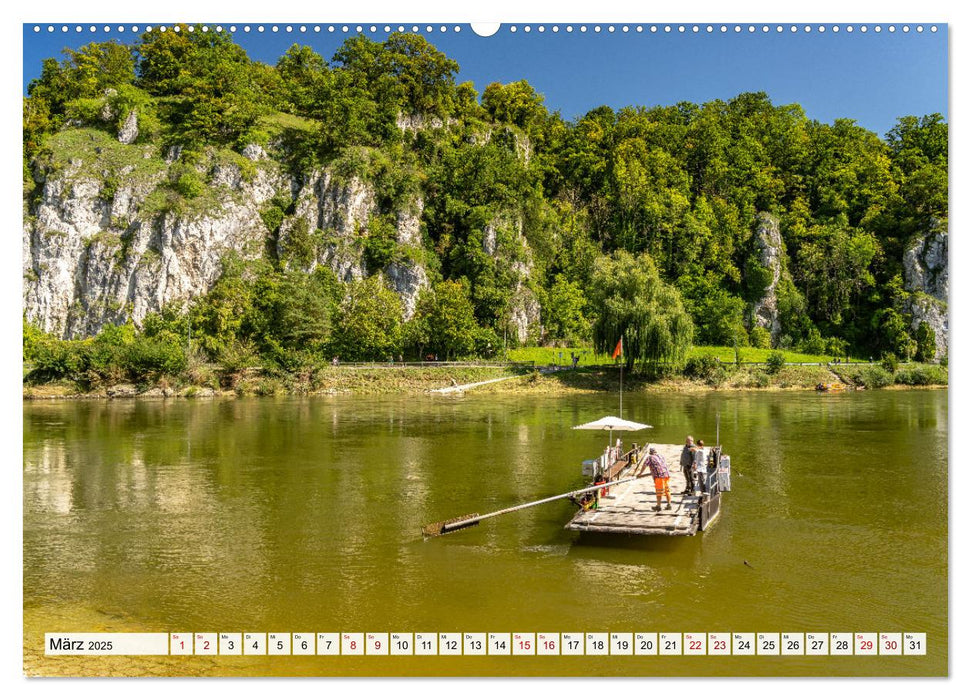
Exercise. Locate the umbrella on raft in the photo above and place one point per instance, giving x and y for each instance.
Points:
(610, 424)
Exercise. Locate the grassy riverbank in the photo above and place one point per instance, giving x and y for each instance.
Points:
(724, 353)
(420, 380)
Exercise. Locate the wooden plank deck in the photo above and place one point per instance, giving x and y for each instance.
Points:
(629, 508)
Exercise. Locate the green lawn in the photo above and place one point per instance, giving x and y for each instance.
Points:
(727, 354)
(545, 356)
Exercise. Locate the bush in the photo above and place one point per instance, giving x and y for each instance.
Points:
(889, 362)
(273, 214)
(238, 355)
(921, 375)
(836, 347)
(269, 386)
(760, 379)
(107, 350)
(760, 338)
(61, 359)
(188, 183)
(813, 343)
(775, 362)
(146, 357)
(704, 367)
(875, 377)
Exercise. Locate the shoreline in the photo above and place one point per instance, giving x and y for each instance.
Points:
(449, 382)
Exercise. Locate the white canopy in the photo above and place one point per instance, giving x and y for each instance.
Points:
(612, 423)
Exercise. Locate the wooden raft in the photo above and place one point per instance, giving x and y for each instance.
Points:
(629, 508)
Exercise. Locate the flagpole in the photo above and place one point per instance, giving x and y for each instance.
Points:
(621, 377)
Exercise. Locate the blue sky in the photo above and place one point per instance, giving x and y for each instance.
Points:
(871, 77)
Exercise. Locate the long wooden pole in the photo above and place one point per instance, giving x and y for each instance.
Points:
(444, 527)
(622, 360)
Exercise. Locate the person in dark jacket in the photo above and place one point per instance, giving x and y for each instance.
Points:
(687, 461)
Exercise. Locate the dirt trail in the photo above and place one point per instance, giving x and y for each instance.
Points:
(464, 387)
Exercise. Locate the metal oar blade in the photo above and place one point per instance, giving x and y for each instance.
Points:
(446, 526)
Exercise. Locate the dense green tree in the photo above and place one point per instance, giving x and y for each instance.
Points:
(219, 99)
(290, 319)
(892, 334)
(448, 319)
(516, 103)
(632, 302)
(563, 311)
(303, 73)
(85, 72)
(926, 341)
(834, 270)
(217, 318)
(369, 321)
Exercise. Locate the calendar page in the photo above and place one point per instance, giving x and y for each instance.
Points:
(425, 348)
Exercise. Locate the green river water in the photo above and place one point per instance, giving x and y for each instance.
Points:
(303, 514)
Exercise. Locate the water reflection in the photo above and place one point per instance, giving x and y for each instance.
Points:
(298, 512)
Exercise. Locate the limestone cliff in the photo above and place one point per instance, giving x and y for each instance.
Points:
(94, 255)
(503, 240)
(328, 225)
(926, 278)
(770, 254)
(114, 231)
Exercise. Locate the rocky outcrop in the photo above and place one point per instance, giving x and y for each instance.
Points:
(925, 265)
(926, 278)
(129, 130)
(503, 240)
(323, 230)
(106, 244)
(254, 152)
(407, 279)
(406, 276)
(328, 227)
(92, 258)
(419, 122)
(770, 252)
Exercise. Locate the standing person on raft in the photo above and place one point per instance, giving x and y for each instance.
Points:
(688, 462)
(662, 477)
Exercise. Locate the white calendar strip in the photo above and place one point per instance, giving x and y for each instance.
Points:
(486, 644)
(106, 644)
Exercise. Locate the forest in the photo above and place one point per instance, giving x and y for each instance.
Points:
(640, 221)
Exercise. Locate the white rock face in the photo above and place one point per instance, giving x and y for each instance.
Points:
(770, 249)
(926, 277)
(408, 224)
(407, 280)
(512, 248)
(925, 265)
(337, 210)
(338, 213)
(91, 258)
(417, 122)
(254, 152)
(405, 277)
(129, 130)
(89, 261)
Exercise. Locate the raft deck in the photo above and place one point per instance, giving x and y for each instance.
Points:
(629, 508)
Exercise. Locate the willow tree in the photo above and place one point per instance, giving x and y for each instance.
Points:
(632, 302)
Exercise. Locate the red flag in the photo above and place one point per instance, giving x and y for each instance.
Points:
(619, 350)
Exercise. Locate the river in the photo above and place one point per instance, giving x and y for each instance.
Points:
(303, 514)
